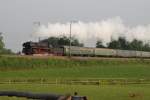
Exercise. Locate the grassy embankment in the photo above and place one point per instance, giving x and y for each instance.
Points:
(34, 67)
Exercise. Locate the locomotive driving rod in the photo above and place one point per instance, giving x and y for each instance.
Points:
(37, 96)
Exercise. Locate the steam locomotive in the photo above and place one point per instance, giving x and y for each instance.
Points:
(31, 48)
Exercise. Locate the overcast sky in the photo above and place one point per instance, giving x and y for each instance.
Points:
(17, 16)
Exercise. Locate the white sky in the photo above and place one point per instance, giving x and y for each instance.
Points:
(17, 16)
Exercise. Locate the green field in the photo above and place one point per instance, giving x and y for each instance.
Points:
(26, 67)
(34, 69)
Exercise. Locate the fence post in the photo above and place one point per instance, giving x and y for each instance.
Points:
(99, 82)
(41, 80)
(56, 81)
(9, 81)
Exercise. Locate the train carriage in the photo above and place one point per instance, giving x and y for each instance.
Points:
(145, 54)
(57, 51)
(78, 51)
(125, 53)
(104, 52)
(138, 54)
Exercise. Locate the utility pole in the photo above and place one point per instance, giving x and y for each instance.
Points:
(71, 22)
(70, 40)
(37, 25)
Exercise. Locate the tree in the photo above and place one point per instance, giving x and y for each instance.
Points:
(3, 50)
(99, 44)
(146, 47)
(1, 41)
(52, 41)
(61, 41)
(121, 43)
(75, 42)
(114, 44)
(124, 44)
(136, 45)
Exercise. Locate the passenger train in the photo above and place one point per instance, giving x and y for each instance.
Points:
(31, 48)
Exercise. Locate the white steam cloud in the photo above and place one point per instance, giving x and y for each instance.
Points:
(90, 32)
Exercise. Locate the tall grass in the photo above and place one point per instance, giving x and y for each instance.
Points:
(33, 67)
(35, 62)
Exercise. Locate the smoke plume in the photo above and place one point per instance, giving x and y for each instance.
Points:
(90, 32)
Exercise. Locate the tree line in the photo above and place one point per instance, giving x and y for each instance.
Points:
(120, 43)
(61, 41)
(123, 44)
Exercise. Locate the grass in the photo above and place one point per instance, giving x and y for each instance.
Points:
(117, 92)
(120, 71)
(14, 62)
(27, 67)
(36, 68)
